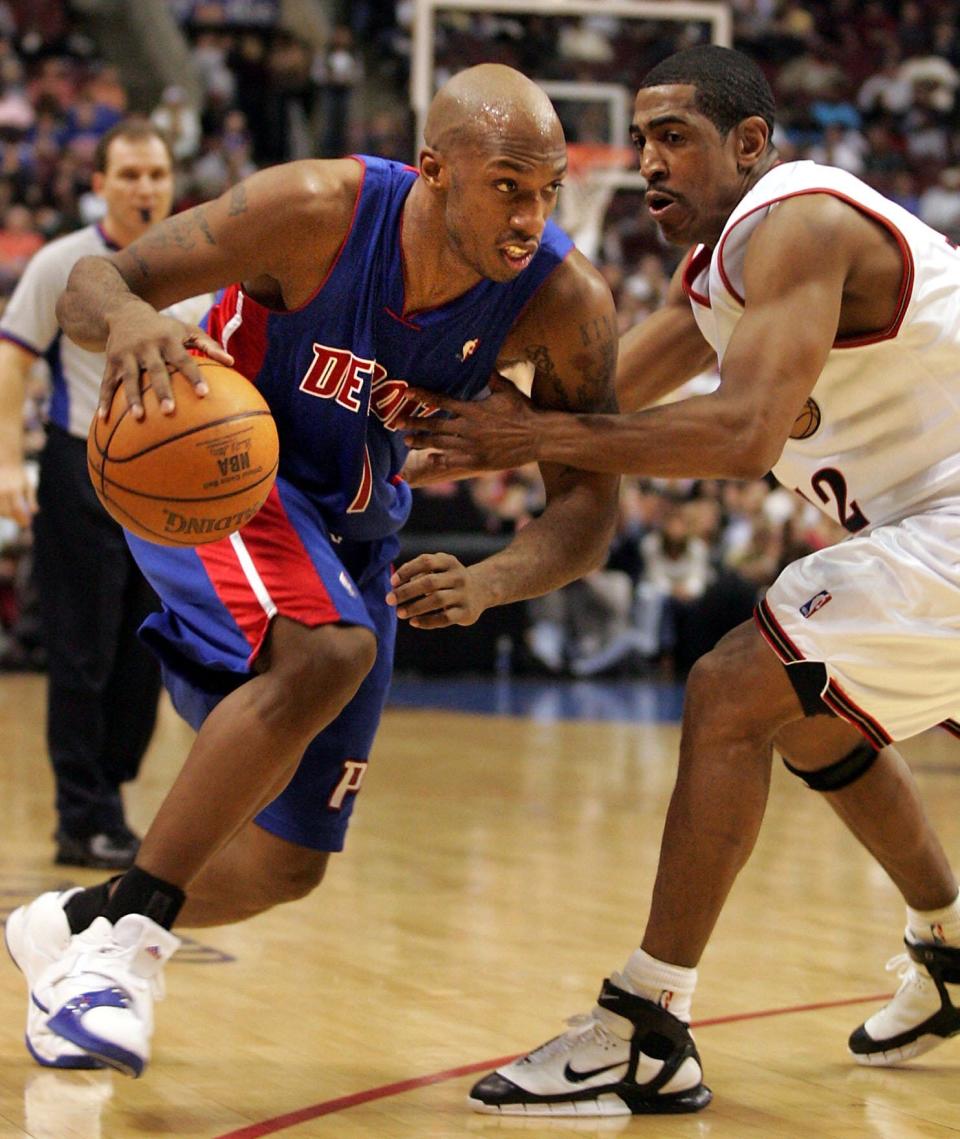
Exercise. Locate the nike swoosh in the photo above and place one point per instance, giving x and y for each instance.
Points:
(576, 1077)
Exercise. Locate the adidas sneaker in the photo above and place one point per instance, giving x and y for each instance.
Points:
(627, 1057)
(100, 991)
(36, 935)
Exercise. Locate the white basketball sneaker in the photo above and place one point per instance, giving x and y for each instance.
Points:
(627, 1057)
(100, 991)
(36, 935)
(923, 1013)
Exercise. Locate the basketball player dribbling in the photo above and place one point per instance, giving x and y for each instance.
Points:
(359, 276)
(835, 316)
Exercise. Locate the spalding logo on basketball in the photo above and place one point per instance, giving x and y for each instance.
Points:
(807, 421)
(191, 477)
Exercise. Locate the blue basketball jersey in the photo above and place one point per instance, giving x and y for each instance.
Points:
(335, 371)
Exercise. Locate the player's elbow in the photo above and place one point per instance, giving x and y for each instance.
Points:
(752, 463)
(754, 445)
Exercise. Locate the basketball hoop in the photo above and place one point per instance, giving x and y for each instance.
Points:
(595, 171)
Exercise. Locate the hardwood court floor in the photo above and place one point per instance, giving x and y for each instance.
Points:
(497, 867)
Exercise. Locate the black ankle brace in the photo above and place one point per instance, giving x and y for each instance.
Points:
(138, 892)
(82, 908)
(942, 962)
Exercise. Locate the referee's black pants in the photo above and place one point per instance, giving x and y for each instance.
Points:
(103, 682)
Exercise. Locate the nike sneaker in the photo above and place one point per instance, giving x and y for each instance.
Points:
(36, 935)
(114, 851)
(626, 1057)
(924, 1011)
(100, 991)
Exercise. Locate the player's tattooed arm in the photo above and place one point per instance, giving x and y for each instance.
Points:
(182, 231)
(584, 382)
(569, 336)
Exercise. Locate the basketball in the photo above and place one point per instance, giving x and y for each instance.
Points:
(193, 476)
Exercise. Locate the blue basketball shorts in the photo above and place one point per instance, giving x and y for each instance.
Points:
(218, 602)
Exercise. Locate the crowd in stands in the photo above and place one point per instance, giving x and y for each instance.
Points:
(868, 85)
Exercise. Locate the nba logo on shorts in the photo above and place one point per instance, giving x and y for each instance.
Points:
(808, 608)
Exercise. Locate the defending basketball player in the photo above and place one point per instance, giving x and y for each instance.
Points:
(809, 287)
(358, 277)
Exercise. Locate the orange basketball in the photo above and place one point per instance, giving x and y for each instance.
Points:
(193, 476)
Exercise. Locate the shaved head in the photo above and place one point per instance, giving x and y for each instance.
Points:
(491, 168)
(485, 104)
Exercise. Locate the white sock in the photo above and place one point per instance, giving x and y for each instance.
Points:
(669, 986)
(939, 927)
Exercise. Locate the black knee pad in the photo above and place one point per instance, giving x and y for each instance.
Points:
(840, 774)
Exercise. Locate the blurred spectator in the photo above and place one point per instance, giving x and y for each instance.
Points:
(289, 99)
(933, 80)
(19, 240)
(810, 76)
(939, 204)
(336, 72)
(584, 627)
(86, 123)
(17, 113)
(887, 90)
(903, 190)
(676, 572)
(54, 83)
(217, 77)
(840, 147)
(580, 39)
(913, 30)
(105, 89)
(179, 122)
(587, 628)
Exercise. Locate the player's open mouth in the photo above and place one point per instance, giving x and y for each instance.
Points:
(518, 256)
(658, 204)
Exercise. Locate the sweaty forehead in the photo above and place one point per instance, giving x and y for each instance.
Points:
(521, 149)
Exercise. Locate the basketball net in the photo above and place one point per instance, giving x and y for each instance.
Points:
(594, 172)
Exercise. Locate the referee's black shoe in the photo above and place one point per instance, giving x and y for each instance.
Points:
(113, 851)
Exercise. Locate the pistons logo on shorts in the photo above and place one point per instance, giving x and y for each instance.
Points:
(808, 608)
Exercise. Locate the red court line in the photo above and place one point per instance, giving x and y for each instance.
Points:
(291, 1119)
(330, 1106)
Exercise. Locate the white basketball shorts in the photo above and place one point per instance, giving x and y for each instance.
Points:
(881, 610)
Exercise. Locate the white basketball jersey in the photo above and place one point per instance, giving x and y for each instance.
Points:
(884, 422)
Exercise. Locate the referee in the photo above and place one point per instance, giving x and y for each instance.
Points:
(103, 683)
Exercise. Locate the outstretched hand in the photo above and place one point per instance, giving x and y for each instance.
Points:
(496, 433)
(146, 346)
(434, 591)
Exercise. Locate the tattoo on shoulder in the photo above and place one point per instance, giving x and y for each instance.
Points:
(595, 331)
(238, 200)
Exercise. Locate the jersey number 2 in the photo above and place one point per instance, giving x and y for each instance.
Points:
(829, 483)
